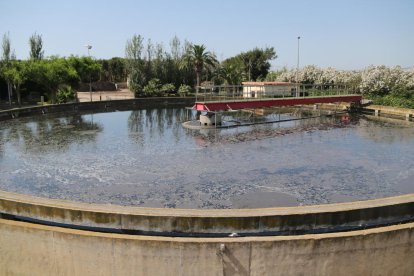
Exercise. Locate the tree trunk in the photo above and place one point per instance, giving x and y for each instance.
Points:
(198, 70)
(9, 91)
(19, 98)
(198, 81)
(52, 95)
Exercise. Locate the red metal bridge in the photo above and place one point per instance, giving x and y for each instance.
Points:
(260, 103)
(237, 97)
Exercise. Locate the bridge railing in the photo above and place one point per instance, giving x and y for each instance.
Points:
(226, 93)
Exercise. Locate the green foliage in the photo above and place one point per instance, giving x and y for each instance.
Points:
(65, 94)
(36, 46)
(231, 74)
(116, 70)
(133, 52)
(153, 88)
(6, 48)
(184, 90)
(275, 75)
(145, 60)
(137, 81)
(52, 73)
(16, 73)
(86, 68)
(49, 74)
(255, 63)
(167, 88)
(198, 58)
(397, 101)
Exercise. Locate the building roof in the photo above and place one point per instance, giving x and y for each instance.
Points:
(266, 83)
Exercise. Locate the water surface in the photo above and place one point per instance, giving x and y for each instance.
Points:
(146, 158)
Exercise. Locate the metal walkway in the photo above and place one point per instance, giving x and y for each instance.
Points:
(215, 105)
(265, 94)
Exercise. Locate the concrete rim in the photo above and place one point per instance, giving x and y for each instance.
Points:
(136, 210)
(356, 233)
(281, 221)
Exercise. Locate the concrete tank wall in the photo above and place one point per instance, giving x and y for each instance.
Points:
(99, 106)
(31, 249)
(28, 249)
(283, 220)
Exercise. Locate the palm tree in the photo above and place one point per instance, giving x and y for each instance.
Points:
(198, 57)
(231, 74)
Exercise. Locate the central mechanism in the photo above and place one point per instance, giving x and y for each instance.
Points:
(210, 119)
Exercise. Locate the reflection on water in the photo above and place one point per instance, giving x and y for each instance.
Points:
(146, 158)
(49, 134)
(387, 127)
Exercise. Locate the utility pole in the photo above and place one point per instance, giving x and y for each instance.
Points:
(297, 73)
(89, 47)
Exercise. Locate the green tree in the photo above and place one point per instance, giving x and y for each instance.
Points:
(137, 81)
(255, 63)
(150, 54)
(16, 74)
(198, 58)
(275, 75)
(174, 71)
(36, 47)
(186, 68)
(175, 48)
(53, 73)
(117, 69)
(231, 74)
(105, 72)
(87, 68)
(133, 52)
(7, 55)
(135, 64)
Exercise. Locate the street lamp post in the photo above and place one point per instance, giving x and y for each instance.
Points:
(89, 47)
(297, 73)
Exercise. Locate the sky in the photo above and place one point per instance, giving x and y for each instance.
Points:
(345, 34)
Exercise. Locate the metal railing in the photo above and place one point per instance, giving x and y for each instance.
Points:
(228, 93)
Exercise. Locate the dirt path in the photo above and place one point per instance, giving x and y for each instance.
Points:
(122, 94)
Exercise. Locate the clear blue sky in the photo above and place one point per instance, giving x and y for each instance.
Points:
(346, 34)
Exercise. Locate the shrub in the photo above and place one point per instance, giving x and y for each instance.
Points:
(184, 90)
(153, 88)
(136, 83)
(65, 94)
(397, 101)
(167, 89)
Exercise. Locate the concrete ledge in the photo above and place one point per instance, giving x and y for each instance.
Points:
(27, 249)
(379, 110)
(185, 222)
(100, 106)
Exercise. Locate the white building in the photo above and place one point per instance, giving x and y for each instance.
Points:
(268, 89)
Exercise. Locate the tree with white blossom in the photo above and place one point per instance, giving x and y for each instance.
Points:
(387, 85)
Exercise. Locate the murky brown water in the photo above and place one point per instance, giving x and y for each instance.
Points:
(146, 158)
